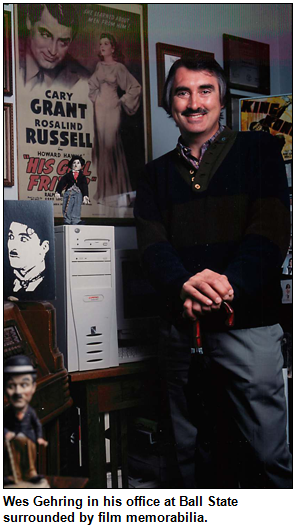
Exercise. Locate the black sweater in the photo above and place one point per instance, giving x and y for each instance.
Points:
(236, 223)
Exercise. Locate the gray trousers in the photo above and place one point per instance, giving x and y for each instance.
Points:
(227, 408)
(72, 203)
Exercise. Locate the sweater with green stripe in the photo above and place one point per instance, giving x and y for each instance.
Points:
(230, 216)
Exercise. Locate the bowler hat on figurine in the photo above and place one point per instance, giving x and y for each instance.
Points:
(19, 364)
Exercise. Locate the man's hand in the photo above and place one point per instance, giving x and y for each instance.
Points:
(9, 435)
(57, 196)
(205, 292)
(41, 441)
(86, 200)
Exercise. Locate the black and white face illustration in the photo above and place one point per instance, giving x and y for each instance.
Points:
(29, 250)
(26, 253)
(25, 249)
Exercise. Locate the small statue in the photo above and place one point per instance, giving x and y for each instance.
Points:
(22, 429)
(74, 183)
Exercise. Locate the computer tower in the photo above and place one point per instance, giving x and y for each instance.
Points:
(86, 299)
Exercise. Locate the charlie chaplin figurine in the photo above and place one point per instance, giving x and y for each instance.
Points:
(22, 429)
(74, 183)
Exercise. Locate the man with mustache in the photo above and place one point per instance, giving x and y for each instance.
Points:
(22, 429)
(213, 230)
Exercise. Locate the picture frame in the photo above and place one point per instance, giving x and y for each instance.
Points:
(233, 111)
(7, 54)
(8, 145)
(287, 267)
(287, 293)
(246, 64)
(166, 55)
(271, 114)
(52, 142)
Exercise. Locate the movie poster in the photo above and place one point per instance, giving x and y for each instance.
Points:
(80, 80)
(272, 115)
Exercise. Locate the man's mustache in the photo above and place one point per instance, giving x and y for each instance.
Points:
(191, 111)
(16, 397)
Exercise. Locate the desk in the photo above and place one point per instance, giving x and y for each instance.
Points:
(66, 482)
(113, 391)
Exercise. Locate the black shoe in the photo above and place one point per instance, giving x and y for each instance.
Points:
(36, 479)
(7, 481)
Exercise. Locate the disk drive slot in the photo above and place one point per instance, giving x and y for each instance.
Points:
(91, 255)
(90, 268)
(91, 283)
(91, 242)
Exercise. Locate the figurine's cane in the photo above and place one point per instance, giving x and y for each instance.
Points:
(68, 201)
(11, 460)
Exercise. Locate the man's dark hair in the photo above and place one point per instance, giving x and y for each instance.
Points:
(79, 158)
(65, 14)
(195, 62)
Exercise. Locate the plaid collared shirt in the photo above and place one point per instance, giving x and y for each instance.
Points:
(186, 151)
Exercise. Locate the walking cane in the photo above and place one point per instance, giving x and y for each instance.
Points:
(197, 345)
(11, 460)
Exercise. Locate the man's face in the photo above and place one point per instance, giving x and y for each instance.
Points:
(196, 103)
(49, 40)
(19, 390)
(25, 249)
(76, 165)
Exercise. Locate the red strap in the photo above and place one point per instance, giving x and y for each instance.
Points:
(230, 314)
(197, 335)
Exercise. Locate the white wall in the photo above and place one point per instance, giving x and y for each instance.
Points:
(201, 26)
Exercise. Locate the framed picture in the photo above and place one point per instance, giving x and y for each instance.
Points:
(7, 56)
(166, 55)
(8, 145)
(271, 114)
(91, 100)
(233, 111)
(246, 64)
(287, 291)
(288, 264)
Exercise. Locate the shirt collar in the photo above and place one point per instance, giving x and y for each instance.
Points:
(186, 151)
(33, 69)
